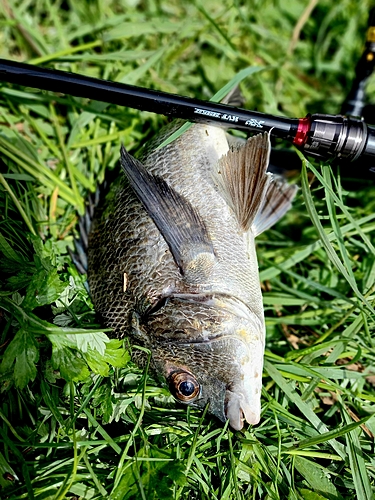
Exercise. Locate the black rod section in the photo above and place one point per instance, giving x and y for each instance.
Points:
(355, 102)
(145, 99)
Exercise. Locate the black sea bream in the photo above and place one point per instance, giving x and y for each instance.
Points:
(172, 264)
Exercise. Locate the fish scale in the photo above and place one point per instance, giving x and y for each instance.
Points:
(173, 267)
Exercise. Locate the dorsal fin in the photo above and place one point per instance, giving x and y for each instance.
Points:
(277, 201)
(234, 97)
(257, 197)
(179, 223)
(242, 179)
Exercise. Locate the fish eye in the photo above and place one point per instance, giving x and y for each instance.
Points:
(183, 386)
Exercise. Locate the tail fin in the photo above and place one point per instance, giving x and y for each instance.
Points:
(79, 255)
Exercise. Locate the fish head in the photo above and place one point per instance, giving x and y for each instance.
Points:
(217, 359)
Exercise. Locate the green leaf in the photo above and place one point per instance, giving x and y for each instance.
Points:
(17, 281)
(24, 351)
(97, 350)
(71, 367)
(82, 491)
(330, 192)
(8, 251)
(45, 288)
(310, 495)
(130, 29)
(175, 472)
(89, 342)
(102, 400)
(114, 354)
(45, 251)
(6, 472)
(317, 477)
(96, 363)
(81, 340)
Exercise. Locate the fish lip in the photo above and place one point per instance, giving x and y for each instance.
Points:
(238, 410)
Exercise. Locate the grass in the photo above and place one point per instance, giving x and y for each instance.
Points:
(78, 419)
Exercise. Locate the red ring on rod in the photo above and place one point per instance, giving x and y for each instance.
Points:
(303, 129)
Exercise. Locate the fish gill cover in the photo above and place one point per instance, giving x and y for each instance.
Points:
(79, 418)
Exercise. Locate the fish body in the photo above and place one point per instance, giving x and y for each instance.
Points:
(172, 264)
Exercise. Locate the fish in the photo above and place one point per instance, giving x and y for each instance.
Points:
(172, 264)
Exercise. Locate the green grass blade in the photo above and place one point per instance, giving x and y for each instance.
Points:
(357, 465)
(325, 240)
(303, 407)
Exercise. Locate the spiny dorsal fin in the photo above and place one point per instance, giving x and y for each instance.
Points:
(242, 179)
(235, 142)
(180, 224)
(234, 97)
(277, 201)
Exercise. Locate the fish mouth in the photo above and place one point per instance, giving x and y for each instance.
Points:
(238, 410)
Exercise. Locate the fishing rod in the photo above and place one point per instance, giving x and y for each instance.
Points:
(319, 135)
(354, 104)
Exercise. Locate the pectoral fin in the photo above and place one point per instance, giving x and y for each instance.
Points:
(179, 223)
